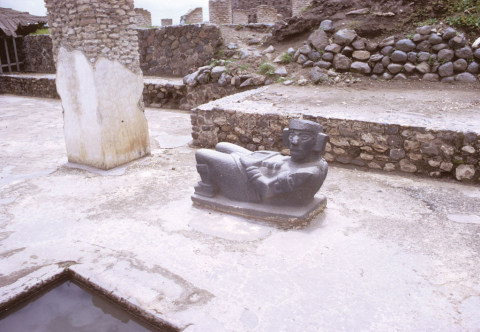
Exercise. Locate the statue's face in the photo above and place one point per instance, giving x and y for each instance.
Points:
(301, 144)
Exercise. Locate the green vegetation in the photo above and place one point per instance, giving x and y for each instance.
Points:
(409, 36)
(220, 53)
(352, 25)
(266, 69)
(43, 31)
(286, 58)
(244, 67)
(306, 9)
(430, 21)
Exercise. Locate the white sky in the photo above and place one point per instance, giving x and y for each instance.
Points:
(159, 8)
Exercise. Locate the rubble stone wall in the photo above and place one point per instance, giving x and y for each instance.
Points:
(192, 16)
(283, 7)
(164, 94)
(239, 16)
(38, 54)
(166, 21)
(266, 14)
(299, 5)
(173, 50)
(377, 146)
(28, 86)
(105, 28)
(220, 11)
(143, 17)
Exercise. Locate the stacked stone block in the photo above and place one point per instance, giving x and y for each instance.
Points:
(143, 17)
(239, 16)
(266, 14)
(38, 54)
(220, 11)
(166, 22)
(173, 50)
(192, 16)
(377, 146)
(298, 6)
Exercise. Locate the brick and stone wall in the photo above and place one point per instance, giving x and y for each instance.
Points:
(283, 7)
(298, 6)
(173, 50)
(38, 54)
(378, 146)
(220, 11)
(166, 22)
(163, 94)
(143, 17)
(266, 14)
(192, 16)
(239, 16)
(103, 28)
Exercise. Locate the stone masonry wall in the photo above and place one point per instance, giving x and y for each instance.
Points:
(266, 14)
(298, 5)
(220, 11)
(371, 145)
(283, 7)
(143, 17)
(192, 16)
(173, 50)
(99, 28)
(239, 16)
(38, 54)
(166, 21)
(43, 87)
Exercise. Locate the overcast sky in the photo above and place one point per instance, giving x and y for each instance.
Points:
(159, 8)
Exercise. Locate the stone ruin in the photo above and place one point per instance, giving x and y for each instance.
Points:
(239, 16)
(192, 16)
(166, 22)
(298, 6)
(266, 14)
(220, 11)
(95, 46)
(143, 17)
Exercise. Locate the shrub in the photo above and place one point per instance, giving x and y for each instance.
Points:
(43, 31)
(266, 69)
(286, 58)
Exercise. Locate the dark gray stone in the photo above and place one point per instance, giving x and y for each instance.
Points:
(371, 46)
(327, 56)
(400, 77)
(449, 79)
(305, 49)
(387, 50)
(387, 76)
(424, 30)
(409, 67)
(405, 45)
(376, 57)
(464, 52)
(273, 180)
(446, 69)
(423, 68)
(424, 46)
(460, 65)
(465, 78)
(378, 69)
(302, 59)
(435, 39)
(476, 54)
(347, 51)
(385, 61)
(341, 62)
(439, 47)
(399, 56)
(319, 39)
(323, 64)
(397, 154)
(344, 37)
(327, 26)
(431, 77)
(457, 42)
(418, 37)
(218, 71)
(449, 33)
(389, 41)
(308, 63)
(359, 44)
(334, 48)
(446, 55)
(423, 56)
(473, 68)
(318, 75)
(412, 57)
(314, 55)
(394, 68)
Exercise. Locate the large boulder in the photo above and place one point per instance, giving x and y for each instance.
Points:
(319, 39)
(344, 37)
(399, 56)
(465, 172)
(341, 62)
(405, 45)
(360, 67)
(423, 68)
(317, 75)
(445, 55)
(394, 68)
(327, 26)
(334, 48)
(423, 56)
(446, 69)
(457, 42)
(477, 54)
(473, 68)
(465, 78)
(431, 77)
(449, 33)
(435, 39)
(424, 46)
(460, 65)
(464, 52)
(424, 30)
(389, 41)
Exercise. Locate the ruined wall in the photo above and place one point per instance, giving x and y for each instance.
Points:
(298, 5)
(283, 7)
(143, 17)
(266, 14)
(377, 146)
(103, 28)
(192, 16)
(239, 16)
(173, 50)
(38, 54)
(166, 21)
(220, 11)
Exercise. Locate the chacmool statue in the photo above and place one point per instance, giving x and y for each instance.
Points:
(265, 184)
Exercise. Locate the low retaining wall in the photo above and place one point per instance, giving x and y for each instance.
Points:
(389, 147)
(29, 86)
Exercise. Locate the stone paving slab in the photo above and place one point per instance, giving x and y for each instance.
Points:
(383, 256)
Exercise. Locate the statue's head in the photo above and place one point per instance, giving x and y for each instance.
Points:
(305, 139)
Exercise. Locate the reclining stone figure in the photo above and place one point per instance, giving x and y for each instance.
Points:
(264, 177)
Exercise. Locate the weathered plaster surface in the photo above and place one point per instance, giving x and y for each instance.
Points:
(105, 125)
(384, 256)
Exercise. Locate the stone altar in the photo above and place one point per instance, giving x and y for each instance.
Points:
(265, 184)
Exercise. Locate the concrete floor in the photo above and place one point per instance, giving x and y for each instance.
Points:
(390, 252)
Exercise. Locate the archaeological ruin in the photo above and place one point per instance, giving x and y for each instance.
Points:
(218, 214)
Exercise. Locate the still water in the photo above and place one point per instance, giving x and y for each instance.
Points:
(70, 308)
